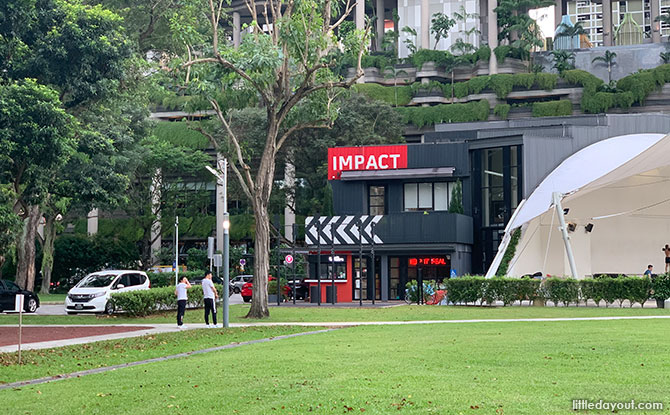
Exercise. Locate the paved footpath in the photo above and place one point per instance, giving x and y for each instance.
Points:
(148, 329)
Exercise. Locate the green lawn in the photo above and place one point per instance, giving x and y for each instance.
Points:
(325, 314)
(52, 298)
(486, 368)
(50, 362)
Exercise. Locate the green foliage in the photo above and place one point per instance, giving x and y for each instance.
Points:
(641, 84)
(75, 256)
(661, 287)
(561, 290)
(456, 200)
(483, 53)
(478, 84)
(412, 291)
(445, 113)
(466, 289)
(552, 108)
(442, 59)
(502, 84)
(470, 289)
(197, 259)
(563, 60)
(144, 302)
(165, 279)
(179, 134)
(10, 223)
(502, 110)
(587, 80)
(460, 89)
(510, 251)
(546, 81)
(440, 25)
(386, 94)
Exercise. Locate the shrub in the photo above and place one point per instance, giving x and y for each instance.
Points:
(552, 108)
(386, 94)
(641, 84)
(461, 90)
(661, 287)
(611, 289)
(637, 289)
(439, 57)
(478, 84)
(145, 302)
(483, 53)
(560, 290)
(445, 113)
(502, 110)
(546, 81)
(466, 289)
(502, 52)
(197, 259)
(502, 289)
(525, 80)
(502, 84)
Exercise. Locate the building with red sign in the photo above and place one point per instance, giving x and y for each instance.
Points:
(398, 216)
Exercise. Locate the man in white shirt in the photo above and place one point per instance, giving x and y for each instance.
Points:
(182, 299)
(210, 295)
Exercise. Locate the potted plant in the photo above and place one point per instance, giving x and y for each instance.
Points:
(660, 287)
(272, 291)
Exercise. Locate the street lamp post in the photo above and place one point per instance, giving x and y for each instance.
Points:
(222, 176)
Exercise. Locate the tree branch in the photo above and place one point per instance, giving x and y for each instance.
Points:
(321, 123)
(249, 183)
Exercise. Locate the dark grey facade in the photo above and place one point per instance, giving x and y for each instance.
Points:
(498, 164)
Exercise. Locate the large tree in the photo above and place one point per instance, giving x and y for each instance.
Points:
(285, 61)
(82, 53)
(36, 139)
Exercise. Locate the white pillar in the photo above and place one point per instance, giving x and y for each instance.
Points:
(425, 25)
(655, 26)
(608, 36)
(360, 14)
(156, 230)
(380, 23)
(92, 222)
(220, 208)
(236, 29)
(289, 209)
(493, 35)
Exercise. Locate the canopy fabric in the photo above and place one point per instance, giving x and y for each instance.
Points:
(621, 186)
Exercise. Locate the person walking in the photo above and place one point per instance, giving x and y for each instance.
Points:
(210, 295)
(182, 299)
(666, 251)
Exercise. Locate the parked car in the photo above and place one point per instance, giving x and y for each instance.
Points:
(301, 289)
(8, 292)
(93, 292)
(248, 287)
(239, 281)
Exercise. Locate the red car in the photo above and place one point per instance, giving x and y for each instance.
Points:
(247, 289)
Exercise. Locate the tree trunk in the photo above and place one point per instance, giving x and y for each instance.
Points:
(261, 200)
(25, 249)
(48, 253)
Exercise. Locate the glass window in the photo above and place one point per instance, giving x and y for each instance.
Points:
(441, 196)
(411, 200)
(425, 196)
(376, 200)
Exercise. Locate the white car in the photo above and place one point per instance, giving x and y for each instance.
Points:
(93, 292)
(237, 282)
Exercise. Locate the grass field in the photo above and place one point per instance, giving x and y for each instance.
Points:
(50, 362)
(324, 314)
(52, 298)
(484, 368)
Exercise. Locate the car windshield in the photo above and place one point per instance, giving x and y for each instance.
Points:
(96, 281)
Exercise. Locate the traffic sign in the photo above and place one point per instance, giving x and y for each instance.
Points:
(288, 259)
(243, 262)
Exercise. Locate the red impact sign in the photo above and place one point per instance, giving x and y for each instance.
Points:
(365, 158)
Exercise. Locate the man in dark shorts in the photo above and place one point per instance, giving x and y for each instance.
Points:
(666, 250)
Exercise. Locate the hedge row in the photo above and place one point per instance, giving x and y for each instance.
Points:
(558, 290)
(445, 113)
(145, 302)
(552, 108)
(393, 95)
(503, 84)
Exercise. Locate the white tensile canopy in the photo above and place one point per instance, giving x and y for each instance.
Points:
(617, 197)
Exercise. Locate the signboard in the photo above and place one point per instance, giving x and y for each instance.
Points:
(365, 158)
(288, 259)
(18, 302)
(210, 247)
(243, 262)
(439, 261)
(218, 260)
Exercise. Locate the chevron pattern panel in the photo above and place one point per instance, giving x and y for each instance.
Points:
(341, 230)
